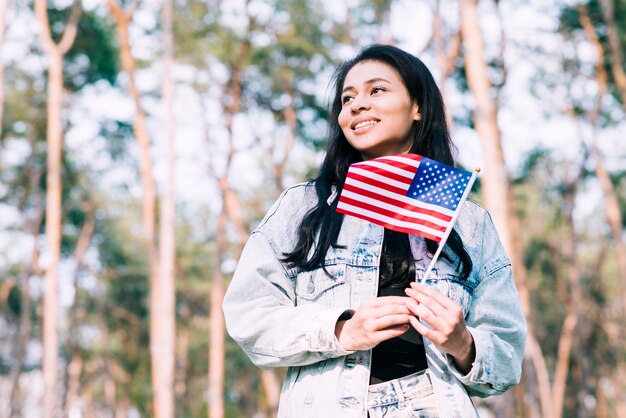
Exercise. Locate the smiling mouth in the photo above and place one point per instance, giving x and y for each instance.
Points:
(364, 123)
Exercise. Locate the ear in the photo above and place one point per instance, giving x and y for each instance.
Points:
(416, 113)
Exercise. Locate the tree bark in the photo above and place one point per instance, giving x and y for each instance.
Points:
(3, 10)
(54, 138)
(271, 387)
(33, 173)
(165, 309)
(231, 104)
(445, 57)
(216, 326)
(574, 305)
(122, 22)
(615, 49)
(77, 314)
(495, 181)
(162, 380)
(613, 213)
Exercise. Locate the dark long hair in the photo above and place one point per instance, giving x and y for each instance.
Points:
(431, 139)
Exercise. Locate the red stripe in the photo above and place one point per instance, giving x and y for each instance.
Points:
(392, 227)
(398, 203)
(376, 183)
(404, 166)
(389, 174)
(391, 214)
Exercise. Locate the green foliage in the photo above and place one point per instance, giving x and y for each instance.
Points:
(14, 302)
(93, 56)
(117, 134)
(618, 179)
(569, 26)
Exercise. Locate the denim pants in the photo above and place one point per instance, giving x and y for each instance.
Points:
(406, 397)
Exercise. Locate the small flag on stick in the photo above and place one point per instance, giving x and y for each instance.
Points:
(407, 193)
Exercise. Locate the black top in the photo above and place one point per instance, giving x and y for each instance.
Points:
(399, 356)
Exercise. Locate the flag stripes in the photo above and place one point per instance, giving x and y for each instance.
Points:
(376, 190)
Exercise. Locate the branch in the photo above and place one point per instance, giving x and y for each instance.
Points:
(69, 35)
(41, 11)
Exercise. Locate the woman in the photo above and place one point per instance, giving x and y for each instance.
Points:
(333, 297)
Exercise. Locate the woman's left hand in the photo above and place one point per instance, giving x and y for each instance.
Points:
(448, 332)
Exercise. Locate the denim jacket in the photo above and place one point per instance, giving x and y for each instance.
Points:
(287, 317)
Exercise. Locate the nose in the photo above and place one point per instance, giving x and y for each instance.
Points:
(360, 103)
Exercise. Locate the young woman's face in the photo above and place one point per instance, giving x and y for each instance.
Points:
(377, 112)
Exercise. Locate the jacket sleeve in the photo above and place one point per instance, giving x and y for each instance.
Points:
(496, 321)
(262, 316)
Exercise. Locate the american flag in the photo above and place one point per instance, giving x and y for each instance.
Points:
(406, 193)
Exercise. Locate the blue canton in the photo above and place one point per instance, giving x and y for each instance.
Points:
(438, 184)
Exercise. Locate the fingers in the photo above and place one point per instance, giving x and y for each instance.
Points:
(386, 322)
(384, 301)
(440, 305)
(432, 293)
(392, 333)
(421, 310)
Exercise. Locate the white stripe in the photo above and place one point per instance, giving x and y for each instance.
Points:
(396, 196)
(394, 208)
(398, 158)
(401, 159)
(374, 176)
(388, 220)
(391, 168)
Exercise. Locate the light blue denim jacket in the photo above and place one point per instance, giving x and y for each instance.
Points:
(286, 317)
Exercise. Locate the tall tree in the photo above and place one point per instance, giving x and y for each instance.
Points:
(77, 312)
(162, 369)
(616, 51)
(164, 341)
(3, 9)
(32, 224)
(612, 207)
(54, 137)
(495, 180)
(574, 304)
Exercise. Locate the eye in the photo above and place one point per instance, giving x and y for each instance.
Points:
(346, 99)
(378, 89)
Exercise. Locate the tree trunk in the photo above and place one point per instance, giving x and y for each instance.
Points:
(278, 161)
(615, 49)
(33, 173)
(216, 326)
(613, 213)
(574, 305)
(53, 233)
(162, 380)
(3, 10)
(20, 346)
(87, 392)
(271, 387)
(182, 348)
(445, 57)
(77, 313)
(495, 179)
(74, 370)
(231, 103)
(495, 182)
(54, 138)
(140, 129)
(164, 310)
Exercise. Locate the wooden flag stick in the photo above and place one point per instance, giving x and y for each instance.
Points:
(442, 243)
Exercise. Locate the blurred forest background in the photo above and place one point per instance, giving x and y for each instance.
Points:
(141, 142)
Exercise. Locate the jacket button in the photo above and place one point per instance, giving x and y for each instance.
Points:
(446, 376)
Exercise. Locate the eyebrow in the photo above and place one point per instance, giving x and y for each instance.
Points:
(370, 81)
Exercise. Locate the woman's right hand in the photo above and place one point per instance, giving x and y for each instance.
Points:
(374, 321)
